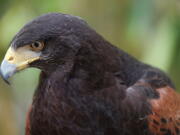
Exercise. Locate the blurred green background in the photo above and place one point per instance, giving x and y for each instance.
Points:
(147, 29)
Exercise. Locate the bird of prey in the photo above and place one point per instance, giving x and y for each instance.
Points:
(87, 86)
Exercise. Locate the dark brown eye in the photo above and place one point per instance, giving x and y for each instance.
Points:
(37, 46)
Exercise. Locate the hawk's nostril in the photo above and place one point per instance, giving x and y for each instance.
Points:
(10, 58)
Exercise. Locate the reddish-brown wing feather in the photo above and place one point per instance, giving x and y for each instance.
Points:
(165, 117)
(28, 122)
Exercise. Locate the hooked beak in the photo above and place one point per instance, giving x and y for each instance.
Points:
(7, 70)
(16, 60)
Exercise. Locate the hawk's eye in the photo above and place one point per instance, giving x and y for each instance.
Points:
(37, 46)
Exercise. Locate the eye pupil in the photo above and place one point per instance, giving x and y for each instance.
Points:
(36, 44)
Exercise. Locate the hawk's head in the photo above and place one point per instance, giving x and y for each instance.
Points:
(46, 42)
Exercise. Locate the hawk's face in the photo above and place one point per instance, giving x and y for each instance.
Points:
(45, 43)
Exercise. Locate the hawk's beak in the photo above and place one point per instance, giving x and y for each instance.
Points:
(7, 70)
(16, 60)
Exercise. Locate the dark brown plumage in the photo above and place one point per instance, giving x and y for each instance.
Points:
(89, 87)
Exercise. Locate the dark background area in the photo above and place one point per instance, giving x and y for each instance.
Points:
(147, 29)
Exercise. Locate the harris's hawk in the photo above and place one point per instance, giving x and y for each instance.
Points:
(87, 86)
